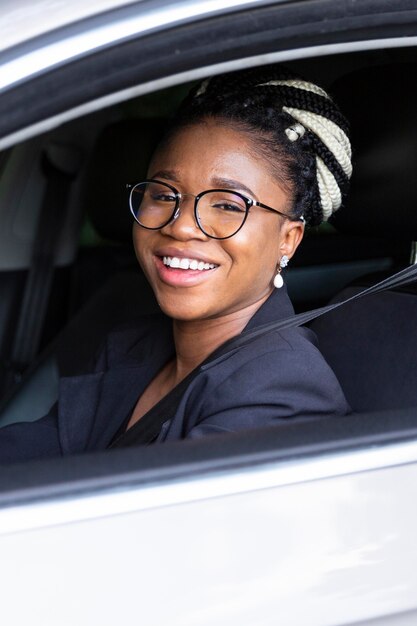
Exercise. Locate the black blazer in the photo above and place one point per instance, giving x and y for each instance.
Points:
(277, 377)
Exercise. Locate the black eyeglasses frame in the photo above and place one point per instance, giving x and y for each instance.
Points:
(249, 202)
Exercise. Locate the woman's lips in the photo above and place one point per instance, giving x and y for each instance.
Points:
(179, 276)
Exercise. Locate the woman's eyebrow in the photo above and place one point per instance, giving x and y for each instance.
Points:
(228, 183)
(168, 174)
(217, 181)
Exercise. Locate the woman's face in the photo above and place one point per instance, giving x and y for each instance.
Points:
(205, 156)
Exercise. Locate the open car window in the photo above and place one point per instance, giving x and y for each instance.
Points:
(180, 504)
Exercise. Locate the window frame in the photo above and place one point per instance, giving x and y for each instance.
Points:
(104, 473)
(170, 55)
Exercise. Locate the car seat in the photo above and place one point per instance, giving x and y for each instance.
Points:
(109, 289)
(372, 344)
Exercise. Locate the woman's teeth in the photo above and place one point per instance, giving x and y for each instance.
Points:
(187, 264)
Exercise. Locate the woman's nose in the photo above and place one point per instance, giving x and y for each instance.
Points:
(184, 225)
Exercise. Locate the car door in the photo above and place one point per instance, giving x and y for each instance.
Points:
(305, 524)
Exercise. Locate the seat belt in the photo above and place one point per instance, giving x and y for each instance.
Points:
(147, 429)
(60, 164)
(404, 277)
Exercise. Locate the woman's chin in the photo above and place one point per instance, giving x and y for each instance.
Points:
(183, 308)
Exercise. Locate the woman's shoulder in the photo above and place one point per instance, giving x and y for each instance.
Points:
(296, 346)
(285, 362)
(279, 376)
(283, 370)
(293, 338)
(272, 346)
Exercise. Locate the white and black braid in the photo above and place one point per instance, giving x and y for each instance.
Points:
(296, 126)
(328, 137)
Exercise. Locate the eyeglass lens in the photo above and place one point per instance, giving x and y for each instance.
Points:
(220, 213)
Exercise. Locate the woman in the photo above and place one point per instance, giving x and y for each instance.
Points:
(249, 159)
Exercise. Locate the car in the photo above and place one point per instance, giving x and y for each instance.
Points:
(303, 524)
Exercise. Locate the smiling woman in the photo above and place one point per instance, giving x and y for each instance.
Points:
(249, 159)
(244, 252)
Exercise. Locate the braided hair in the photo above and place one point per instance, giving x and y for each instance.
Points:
(295, 125)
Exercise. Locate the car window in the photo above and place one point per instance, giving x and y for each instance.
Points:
(327, 500)
(95, 261)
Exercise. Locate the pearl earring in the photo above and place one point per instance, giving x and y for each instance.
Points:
(278, 280)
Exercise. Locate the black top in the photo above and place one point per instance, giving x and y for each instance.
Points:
(274, 378)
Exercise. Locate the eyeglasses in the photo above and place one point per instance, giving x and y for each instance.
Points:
(219, 213)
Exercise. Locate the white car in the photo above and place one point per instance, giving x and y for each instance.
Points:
(308, 524)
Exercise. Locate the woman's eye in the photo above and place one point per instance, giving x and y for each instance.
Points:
(227, 206)
(163, 197)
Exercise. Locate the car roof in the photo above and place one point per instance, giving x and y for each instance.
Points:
(22, 20)
(34, 36)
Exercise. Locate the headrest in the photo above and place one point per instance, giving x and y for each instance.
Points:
(380, 103)
(120, 156)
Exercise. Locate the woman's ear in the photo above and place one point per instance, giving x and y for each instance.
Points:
(291, 235)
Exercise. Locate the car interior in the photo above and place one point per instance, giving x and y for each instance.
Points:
(68, 273)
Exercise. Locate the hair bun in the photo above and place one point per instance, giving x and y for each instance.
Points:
(329, 139)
